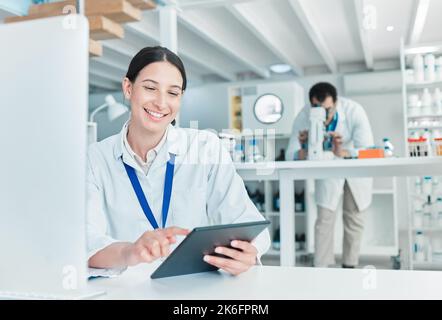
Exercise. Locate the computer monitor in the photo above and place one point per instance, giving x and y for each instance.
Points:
(43, 125)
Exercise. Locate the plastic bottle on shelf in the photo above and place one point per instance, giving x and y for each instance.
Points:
(418, 67)
(413, 100)
(418, 186)
(429, 250)
(439, 68)
(439, 211)
(253, 154)
(437, 207)
(418, 218)
(238, 155)
(437, 101)
(419, 246)
(250, 151)
(426, 147)
(426, 102)
(426, 219)
(388, 148)
(413, 105)
(414, 135)
(429, 68)
(228, 142)
(435, 187)
(418, 204)
(427, 186)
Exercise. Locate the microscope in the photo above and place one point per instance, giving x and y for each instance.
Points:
(316, 133)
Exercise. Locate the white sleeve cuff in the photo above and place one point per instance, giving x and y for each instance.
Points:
(108, 273)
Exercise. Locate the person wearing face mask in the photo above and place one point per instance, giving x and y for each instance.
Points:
(349, 130)
(153, 182)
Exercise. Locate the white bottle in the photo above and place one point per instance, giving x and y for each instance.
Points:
(429, 250)
(426, 102)
(439, 211)
(418, 218)
(427, 216)
(437, 101)
(388, 148)
(250, 151)
(427, 186)
(253, 154)
(429, 68)
(418, 186)
(426, 134)
(419, 246)
(439, 68)
(238, 155)
(435, 212)
(418, 66)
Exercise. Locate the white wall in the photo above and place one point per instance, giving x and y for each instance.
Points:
(206, 104)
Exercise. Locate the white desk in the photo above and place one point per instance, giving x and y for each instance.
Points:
(288, 171)
(269, 283)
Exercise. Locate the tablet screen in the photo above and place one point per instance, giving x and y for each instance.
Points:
(187, 258)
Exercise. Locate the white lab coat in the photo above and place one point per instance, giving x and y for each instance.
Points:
(356, 132)
(206, 189)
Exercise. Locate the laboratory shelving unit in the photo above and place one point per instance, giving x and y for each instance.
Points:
(429, 121)
(269, 212)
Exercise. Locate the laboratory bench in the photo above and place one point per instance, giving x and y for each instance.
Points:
(286, 172)
(273, 282)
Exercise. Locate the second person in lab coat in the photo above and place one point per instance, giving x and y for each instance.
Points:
(348, 123)
(153, 182)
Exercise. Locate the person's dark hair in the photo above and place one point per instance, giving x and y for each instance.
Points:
(322, 90)
(150, 55)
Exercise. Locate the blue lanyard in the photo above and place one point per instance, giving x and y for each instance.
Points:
(332, 125)
(168, 182)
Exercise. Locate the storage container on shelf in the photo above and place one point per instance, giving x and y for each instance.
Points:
(426, 219)
(419, 147)
(426, 102)
(419, 246)
(427, 186)
(414, 105)
(418, 68)
(435, 188)
(437, 102)
(439, 68)
(418, 218)
(228, 142)
(418, 188)
(438, 146)
(437, 212)
(429, 67)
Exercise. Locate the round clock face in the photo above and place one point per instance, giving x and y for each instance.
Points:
(268, 108)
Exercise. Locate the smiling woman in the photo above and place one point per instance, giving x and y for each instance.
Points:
(154, 182)
(154, 84)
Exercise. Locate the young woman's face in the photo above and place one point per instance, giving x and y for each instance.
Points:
(155, 96)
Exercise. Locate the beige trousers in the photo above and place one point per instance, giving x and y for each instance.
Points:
(324, 233)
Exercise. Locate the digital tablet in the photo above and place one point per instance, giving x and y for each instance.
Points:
(187, 258)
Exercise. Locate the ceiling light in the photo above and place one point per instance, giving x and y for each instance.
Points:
(390, 28)
(280, 68)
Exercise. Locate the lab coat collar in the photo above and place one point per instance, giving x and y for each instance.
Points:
(171, 145)
(340, 110)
